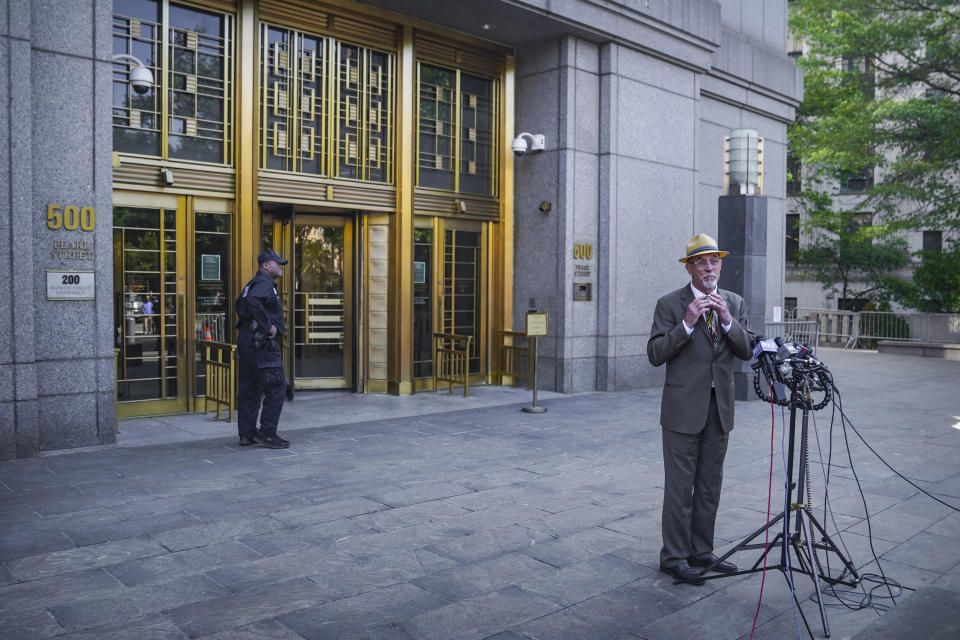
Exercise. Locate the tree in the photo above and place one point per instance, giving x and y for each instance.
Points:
(936, 283)
(882, 90)
(850, 258)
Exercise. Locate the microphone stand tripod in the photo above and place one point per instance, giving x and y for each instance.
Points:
(800, 539)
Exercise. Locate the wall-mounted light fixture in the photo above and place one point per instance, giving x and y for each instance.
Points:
(743, 163)
(141, 79)
(166, 177)
(460, 206)
(537, 142)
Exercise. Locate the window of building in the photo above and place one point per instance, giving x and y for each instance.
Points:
(327, 106)
(856, 181)
(861, 72)
(793, 174)
(793, 236)
(933, 240)
(858, 219)
(187, 115)
(851, 304)
(789, 308)
(456, 131)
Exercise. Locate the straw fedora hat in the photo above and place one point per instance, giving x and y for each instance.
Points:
(700, 244)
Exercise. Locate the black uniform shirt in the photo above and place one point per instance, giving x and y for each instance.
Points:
(263, 303)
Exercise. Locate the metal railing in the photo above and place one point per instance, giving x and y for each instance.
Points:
(852, 329)
(219, 359)
(835, 327)
(451, 360)
(803, 331)
(883, 325)
(214, 323)
(515, 360)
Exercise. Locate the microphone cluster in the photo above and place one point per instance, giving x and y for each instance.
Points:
(789, 369)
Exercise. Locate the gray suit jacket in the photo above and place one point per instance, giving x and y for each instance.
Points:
(692, 364)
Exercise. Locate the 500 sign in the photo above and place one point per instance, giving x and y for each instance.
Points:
(70, 217)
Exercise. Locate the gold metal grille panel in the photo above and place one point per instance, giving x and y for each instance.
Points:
(138, 176)
(279, 187)
(462, 57)
(426, 201)
(327, 106)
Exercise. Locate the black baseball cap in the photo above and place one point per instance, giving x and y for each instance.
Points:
(269, 254)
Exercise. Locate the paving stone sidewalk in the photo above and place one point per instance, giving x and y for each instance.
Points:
(452, 519)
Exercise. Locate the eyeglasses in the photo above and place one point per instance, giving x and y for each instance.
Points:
(703, 262)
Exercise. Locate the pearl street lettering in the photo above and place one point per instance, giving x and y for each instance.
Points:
(71, 250)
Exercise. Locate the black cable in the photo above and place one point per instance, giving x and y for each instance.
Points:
(843, 422)
(887, 465)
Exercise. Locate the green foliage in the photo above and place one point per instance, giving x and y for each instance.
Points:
(848, 259)
(936, 283)
(903, 119)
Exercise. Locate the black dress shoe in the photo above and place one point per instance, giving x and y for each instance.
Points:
(246, 441)
(720, 567)
(683, 573)
(272, 441)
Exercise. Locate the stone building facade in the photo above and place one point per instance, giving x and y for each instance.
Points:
(371, 142)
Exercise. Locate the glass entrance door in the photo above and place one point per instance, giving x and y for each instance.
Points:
(448, 290)
(171, 290)
(322, 328)
(462, 286)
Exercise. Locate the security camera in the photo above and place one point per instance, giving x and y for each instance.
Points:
(537, 143)
(519, 146)
(141, 79)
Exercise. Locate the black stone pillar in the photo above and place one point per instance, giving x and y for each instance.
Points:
(742, 230)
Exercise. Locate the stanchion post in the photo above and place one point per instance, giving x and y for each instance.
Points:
(537, 324)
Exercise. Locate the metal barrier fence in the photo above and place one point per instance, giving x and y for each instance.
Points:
(803, 331)
(853, 329)
(214, 323)
(515, 360)
(882, 325)
(220, 378)
(451, 358)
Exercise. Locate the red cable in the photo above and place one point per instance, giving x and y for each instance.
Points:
(766, 537)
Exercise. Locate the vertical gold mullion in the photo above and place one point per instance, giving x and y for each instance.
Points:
(246, 230)
(228, 146)
(456, 134)
(416, 129)
(485, 340)
(262, 74)
(333, 107)
(186, 268)
(504, 134)
(401, 280)
(362, 114)
(391, 135)
(166, 84)
(293, 100)
(438, 272)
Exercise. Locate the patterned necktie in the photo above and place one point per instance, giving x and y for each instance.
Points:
(713, 329)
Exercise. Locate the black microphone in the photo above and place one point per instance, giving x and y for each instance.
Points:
(766, 352)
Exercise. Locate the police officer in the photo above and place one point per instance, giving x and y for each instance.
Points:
(262, 383)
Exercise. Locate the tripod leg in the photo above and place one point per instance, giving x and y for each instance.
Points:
(796, 602)
(814, 573)
(831, 547)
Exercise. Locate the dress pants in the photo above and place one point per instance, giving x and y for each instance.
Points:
(261, 390)
(693, 475)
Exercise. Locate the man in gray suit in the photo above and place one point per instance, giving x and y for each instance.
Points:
(697, 331)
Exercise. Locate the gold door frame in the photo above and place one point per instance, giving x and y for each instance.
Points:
(185, 296)
(349, 308)
(440, 226)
